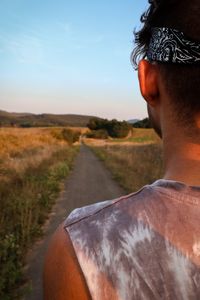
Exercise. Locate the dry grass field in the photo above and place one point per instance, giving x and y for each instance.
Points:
(134, 162)
(33, 163)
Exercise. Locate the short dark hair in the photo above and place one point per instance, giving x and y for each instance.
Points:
(182, 81)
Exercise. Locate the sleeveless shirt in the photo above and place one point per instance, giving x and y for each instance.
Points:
(142, 246)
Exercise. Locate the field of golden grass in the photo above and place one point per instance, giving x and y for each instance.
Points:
(16, 140)
(22, 148)
(134, 162)
(33, 163)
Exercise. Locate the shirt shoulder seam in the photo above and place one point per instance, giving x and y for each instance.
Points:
(105, 207)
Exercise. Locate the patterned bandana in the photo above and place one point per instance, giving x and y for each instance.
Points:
(172, 46)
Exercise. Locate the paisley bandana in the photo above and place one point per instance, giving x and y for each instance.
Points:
(172, 46)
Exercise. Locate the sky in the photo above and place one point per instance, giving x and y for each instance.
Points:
(64, 56)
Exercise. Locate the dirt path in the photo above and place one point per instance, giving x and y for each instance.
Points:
(89, 182)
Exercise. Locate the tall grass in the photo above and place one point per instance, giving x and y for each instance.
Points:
(33, 163)
(133, 165)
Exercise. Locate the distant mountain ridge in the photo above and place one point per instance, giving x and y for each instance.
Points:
(133, 121)
(42, 120)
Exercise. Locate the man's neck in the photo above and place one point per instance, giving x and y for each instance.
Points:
(182, 160)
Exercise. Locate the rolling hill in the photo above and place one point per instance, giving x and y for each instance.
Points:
(42, 120)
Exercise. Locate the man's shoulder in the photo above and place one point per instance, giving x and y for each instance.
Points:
(145, 204)
(139, 237)
(93, 210)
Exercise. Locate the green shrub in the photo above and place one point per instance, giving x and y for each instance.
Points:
(10, 265)
(98, 134)
(114, 128)
(118, 129)
(66, 134)
(145, 123)
(25, 125)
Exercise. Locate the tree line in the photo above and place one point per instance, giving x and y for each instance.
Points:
(103, 128)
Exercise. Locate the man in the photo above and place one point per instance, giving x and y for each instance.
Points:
(146, 245)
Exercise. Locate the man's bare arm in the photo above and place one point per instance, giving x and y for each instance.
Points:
(63, 279)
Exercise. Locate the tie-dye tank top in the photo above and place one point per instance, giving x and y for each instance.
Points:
(142, 246)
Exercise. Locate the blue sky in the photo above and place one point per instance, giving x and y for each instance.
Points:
(70, 57)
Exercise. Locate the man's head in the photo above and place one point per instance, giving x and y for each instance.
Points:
(181, 82)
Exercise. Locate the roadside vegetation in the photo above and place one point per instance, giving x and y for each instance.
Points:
(145, 123)
(103, 128)
(140, 135)
(134, 162)
(33, 163)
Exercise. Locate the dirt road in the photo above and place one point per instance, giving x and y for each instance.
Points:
(89, 182)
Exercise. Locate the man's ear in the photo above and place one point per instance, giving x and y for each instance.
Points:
(148, 79)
